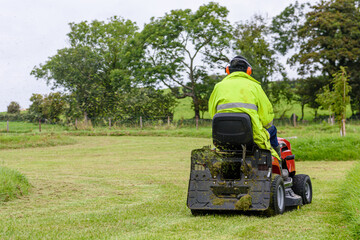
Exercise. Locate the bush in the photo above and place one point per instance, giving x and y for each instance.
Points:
(12, 184)
(13, 108)
(22, 117)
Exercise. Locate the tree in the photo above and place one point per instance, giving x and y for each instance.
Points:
(337, 99)
(251, 41)
(99, 61)
(306, 91)
(13, 108)
(178, 45)
(48, 107)
(285, 27)
(204, 91)
(78, 70)
(53, 106)
(35, 109)
(328, 37)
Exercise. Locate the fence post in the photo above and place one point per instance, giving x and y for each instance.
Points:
(110, 123)
(294, 119)
(141, 123)
(168, 121)
(76, 124)
(197, 122)
(7, 126)
(39, 125)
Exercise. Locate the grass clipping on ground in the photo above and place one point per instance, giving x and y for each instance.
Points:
(350, 195)
(12, 184)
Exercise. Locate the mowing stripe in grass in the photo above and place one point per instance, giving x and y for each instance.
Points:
(350, 199)
(136, 187)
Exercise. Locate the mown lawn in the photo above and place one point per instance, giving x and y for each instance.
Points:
(135, 188)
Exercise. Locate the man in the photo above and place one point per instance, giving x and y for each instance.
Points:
(239, 92)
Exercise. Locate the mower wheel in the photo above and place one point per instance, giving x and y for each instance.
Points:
(277, 199)
(302, 187)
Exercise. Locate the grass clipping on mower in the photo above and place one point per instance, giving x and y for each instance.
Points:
(244, 203)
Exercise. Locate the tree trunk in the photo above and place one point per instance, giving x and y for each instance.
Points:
(343, 132)
(196, 107)
(86, 118)
(302, 111)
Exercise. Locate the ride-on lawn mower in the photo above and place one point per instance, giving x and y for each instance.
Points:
(238, 175)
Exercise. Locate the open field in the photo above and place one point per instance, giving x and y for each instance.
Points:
(310, 142)
(184, 110)
(135, 188)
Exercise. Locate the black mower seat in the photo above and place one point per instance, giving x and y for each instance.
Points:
(232, 130)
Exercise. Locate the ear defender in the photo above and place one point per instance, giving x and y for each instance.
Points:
(227, 70)
(249, 71)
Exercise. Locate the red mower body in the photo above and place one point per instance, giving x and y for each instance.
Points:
(287, 156)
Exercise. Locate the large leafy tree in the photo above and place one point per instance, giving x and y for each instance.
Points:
(252, 41)
(78, 71)
(100, 60)
(182, 44)
(328, 37)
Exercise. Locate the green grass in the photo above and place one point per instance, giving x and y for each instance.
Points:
(135, 188)
(26, 127)
(313, 142)
(322, 142)
(350, 198)
(184, 110)
(12, 184)
(30, 141)
(334, 148)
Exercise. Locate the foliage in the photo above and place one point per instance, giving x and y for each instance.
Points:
(337, 99)
(145, 102)
(48, 107)
(53, 106)
(203, 92)
(251, 40)
(12, 184)
(35, 109)
(306, 91)
(285, 27)
(327, 37)
(178, 41)
(281, 93)
(99, 61)
(13, 108)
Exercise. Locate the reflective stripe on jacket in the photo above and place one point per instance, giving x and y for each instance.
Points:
(239, 92)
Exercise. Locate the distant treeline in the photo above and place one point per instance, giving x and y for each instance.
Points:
(112, 68)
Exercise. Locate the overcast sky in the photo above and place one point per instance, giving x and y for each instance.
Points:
(33, 30)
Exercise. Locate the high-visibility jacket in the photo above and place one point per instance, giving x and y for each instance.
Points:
(239, 92)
